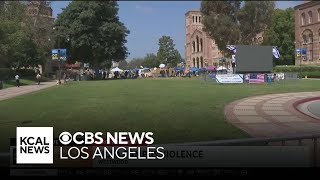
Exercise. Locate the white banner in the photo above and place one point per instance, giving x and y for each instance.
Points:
(229, 78)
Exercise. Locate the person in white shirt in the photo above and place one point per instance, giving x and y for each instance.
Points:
(38, 78)
(17, 80)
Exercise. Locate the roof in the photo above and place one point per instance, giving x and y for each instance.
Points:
(306, 4)
(193, 10)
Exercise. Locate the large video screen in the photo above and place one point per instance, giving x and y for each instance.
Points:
(251, 59)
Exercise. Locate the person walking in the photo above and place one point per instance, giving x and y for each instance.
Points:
(17, 77)
(38, 78)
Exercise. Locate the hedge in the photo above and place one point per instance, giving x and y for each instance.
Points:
(6, 73)
(310, 74)
(304, 68)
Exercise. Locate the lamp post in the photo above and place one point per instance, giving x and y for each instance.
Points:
(59, 65)
(300, 60)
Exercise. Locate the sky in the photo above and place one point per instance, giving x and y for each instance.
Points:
(149, 20)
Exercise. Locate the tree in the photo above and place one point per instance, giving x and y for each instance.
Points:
(281, 33)
(17, 47)
(150, 60)
(135, 62)
(94, 30)
(228, 23)
(123, 64)
(167, 54)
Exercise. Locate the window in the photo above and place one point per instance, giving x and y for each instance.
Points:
(319, 14)
(303, 19)
(199, 19)
(196, 19)
(201, 47)
(193, 46)
(197, 62)
(197, 39)
(193, 19)
(311, 55)
(310, 17)
(307, 36)
(305, 39)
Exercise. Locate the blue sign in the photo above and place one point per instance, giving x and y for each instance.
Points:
(269, 78)
(304, 51)
(59, 54)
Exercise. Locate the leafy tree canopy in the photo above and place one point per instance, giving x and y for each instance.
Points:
(92, 32)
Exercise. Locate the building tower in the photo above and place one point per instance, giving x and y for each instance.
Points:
(201, 50)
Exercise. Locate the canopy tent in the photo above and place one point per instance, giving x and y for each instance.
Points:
(116, 69)
(211, 68)
(162, 65)
(194, 69)
(179, 68)
(221, 68)
(203, 69)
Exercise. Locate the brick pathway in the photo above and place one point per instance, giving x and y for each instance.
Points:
(273, 115)
(17, 91)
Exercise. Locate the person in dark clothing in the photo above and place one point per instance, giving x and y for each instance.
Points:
(104, 75)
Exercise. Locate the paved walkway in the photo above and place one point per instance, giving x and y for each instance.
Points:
(17, 91)
(273, 115)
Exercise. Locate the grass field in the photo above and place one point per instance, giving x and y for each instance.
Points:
(23, 82)
(176, 110)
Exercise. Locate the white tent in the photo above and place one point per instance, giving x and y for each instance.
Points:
(116, 69)
(221, 68)
(162, 65)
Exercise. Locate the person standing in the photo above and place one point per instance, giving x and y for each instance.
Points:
(17, 77)
(38, 78)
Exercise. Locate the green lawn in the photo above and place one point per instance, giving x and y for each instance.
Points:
(176, 110)
(23, 82)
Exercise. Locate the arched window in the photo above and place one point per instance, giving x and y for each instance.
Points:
(201, 61)
(199, 19)
(197, 62)
(303, 19)
(307, 36)
(193, 19)
(310, 17)
(201, 45)
(319, 14)
(196, 19)
(194, 62)
(197, 39)
(193, 46)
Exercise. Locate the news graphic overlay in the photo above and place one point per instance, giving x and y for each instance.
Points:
(34, 145)
(118, 145)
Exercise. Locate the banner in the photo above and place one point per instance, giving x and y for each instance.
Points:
(298, 52)
(59, 53)
(256, 78)
(229, 78)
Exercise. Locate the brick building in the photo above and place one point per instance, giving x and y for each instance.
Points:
(307, 31)
(41, 10)
(200, 49)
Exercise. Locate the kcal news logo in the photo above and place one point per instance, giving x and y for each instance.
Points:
(34, 145)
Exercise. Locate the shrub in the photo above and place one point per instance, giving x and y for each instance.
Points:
(6, 73)
(304, 68)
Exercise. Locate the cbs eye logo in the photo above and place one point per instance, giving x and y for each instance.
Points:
(65, 138)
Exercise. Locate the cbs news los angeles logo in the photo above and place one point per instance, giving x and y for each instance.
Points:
(35, 145)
